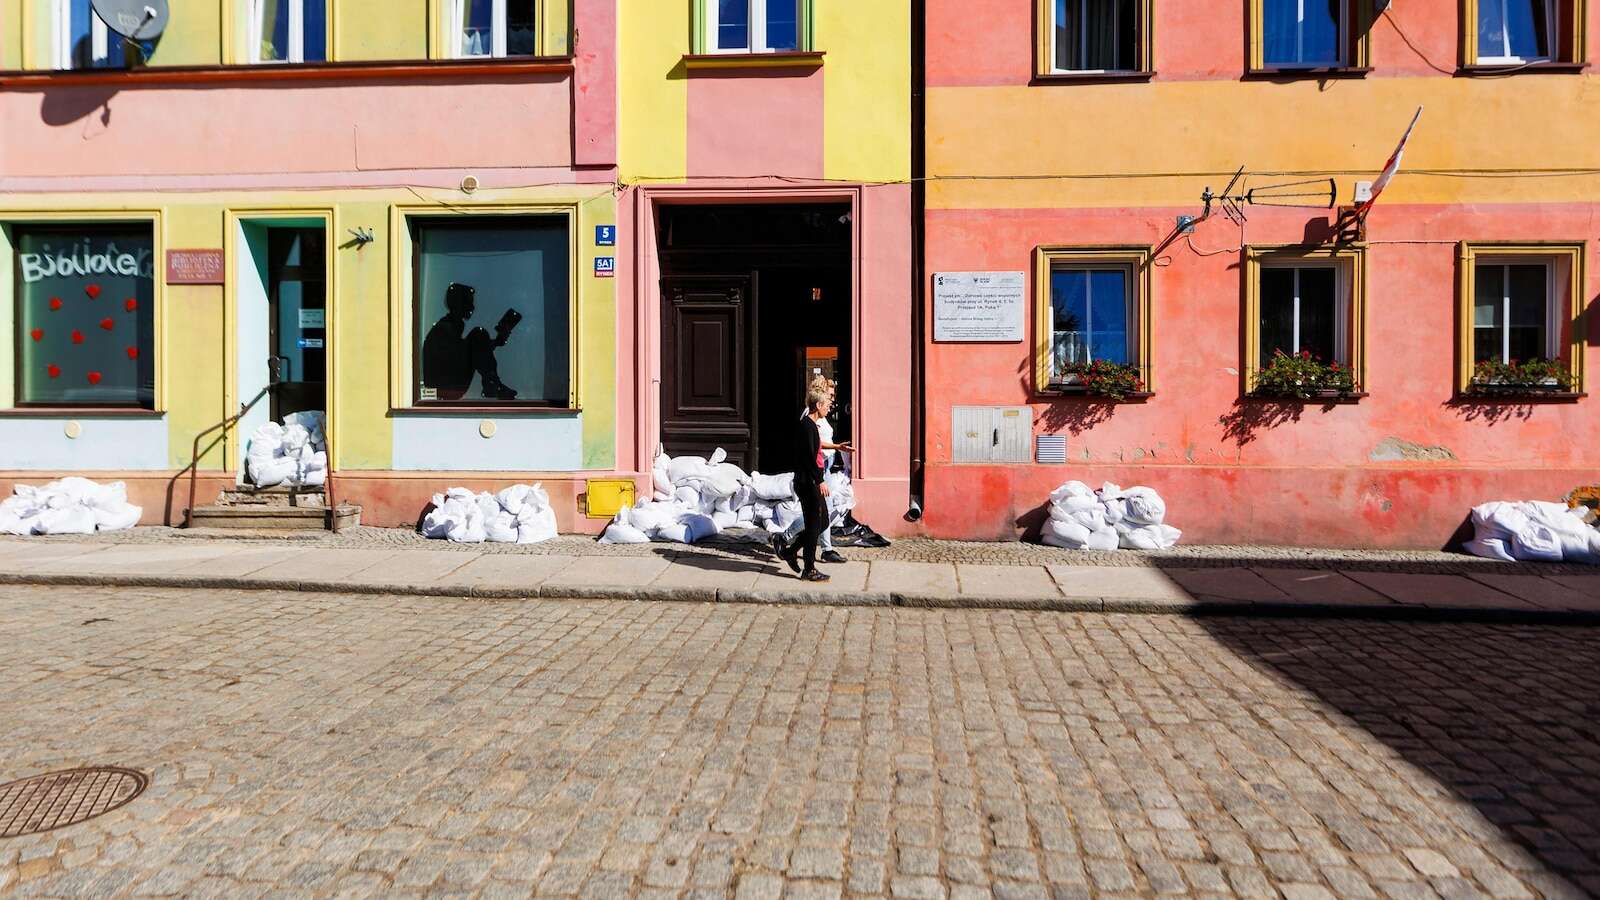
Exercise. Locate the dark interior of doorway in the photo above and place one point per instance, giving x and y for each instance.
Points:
(297, 301)
(749, 291)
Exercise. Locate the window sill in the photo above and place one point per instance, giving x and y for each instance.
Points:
(508, 411)
(1331, 399)
(1091, 77)
(1482, 70)
(1069, 392)
(1512, 395)
(320, 71)
(789, 59)
(79, 412)
(1283, 73)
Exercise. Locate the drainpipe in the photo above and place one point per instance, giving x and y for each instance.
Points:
(919, 204)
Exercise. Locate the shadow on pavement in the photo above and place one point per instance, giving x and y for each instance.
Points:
(1507, 718)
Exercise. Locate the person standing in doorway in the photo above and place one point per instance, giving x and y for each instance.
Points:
(810, 488)
(830, 450)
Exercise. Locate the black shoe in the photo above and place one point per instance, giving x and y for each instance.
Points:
(784, 552)
(813, 575)
(830, 556)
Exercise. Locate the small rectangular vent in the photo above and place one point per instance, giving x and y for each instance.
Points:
(1050, 449)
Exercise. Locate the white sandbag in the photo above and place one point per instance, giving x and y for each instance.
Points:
(1069, 490)
(619, 533)
(120, 519)
(745, 515)
(72, 519)
(108, 497)
(699, 527)
(841, 494)
(537, 524)
(11, 523)
(660, 474)
(500, 528)
(688, 496)
(785, 514)
(1149, 537)
(675, 533)
(773, 487)
(723, 480)
(1064, 533)
(649, 517)
(294, 437)
(1144, 506)
(718, 457)
(271, 471)
(1490, 548)
(682, 468)
(725, 520)
(1104, 539)
(437, 523)
(512, 498)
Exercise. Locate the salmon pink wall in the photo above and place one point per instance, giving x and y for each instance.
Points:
(754, 122)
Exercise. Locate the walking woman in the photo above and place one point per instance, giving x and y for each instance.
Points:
(809, 487)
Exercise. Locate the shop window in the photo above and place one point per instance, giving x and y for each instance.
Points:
(1309, 34)
(1500, 33)
(494, 28)
(290, 31)
(492, 317)
(1519, 305)
(1094, 307)
(84, 316)
(1305, 302)
(751, 26)
(1088, 37)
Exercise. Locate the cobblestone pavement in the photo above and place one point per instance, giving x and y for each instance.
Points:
(326, 744)
(906, 550)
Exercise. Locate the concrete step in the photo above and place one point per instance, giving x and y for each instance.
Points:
(289, 518)
(280, 496)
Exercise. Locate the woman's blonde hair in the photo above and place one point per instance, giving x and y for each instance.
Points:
(815, 396)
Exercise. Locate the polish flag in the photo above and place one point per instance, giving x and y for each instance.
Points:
(1390, 168)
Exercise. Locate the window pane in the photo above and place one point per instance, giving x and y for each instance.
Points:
(1319, 314)
(1277, 312)
(1108, 315)
(1069, 305)
(1066, 35)
(1096, 35)
(1527, 29)
(501, 333)
(477, 27)
(85, 309)
(783, 24)
(522, 31)
(1488, 311)
(733, 25)
(274, 25)
(1301, 32)
(80, 37)
(1528, 312)
(315, 19)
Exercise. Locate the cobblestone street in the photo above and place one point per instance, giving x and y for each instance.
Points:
(326, 744)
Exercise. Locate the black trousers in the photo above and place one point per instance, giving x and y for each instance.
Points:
(815, 514)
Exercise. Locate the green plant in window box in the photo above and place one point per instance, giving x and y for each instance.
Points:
(1103, 378)
(1302, 376)
(1530, 376)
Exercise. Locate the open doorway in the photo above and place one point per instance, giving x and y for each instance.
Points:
(755, 301)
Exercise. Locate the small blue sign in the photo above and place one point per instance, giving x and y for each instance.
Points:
(605, 235)
(309, 343)
(605, 267)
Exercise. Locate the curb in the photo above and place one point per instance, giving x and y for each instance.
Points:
(801, 597)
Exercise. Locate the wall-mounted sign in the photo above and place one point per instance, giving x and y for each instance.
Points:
(979, 307)
(605, 235)
(605, 266)
(309, 343)
(195, 267)
(312, 318)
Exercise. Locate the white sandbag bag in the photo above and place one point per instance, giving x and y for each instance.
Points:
(271, 471)
(72, 519)
(725, 519)
(745, 516)
(773, 487)
(682, 468)
(295, 437)
(619, 533)
(1069, 490)
(841, 493)
(785, 514)
(675, 533)
(1536, 541)
(660, 474)
(1104, 539)
(109, 497)
(718, 457)
(1149, 537)
(11, 523)
(688, 496)
(512, 498)
(1064, 533)
(1490, 548)
(723, 480)
(1143, 506)
(537, 525)
(500, 528)
(120, 519)
(649, 517)
(699, 527)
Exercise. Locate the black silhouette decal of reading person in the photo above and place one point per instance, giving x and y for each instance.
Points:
(451, 355)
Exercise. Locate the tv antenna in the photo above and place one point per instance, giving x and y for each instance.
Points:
(136, 20)
(1313, 193)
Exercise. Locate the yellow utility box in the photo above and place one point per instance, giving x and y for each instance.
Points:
(608, 496)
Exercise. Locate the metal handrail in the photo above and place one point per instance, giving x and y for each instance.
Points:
(225, 424)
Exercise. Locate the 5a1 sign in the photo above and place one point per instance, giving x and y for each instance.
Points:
(605, 267)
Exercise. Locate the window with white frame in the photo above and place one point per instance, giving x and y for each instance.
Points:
(1516, 31)
(1513, 316)
(82, 40)
(1304, 33)
(288, 31)
(752, 26)
(495, 28)
(1095, 36)
(1304, 308)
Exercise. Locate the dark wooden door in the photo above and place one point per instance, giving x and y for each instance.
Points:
(707, 357)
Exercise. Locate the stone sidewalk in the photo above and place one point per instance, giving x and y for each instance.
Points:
(750, 574)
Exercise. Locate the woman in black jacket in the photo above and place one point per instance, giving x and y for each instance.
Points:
(809, 487)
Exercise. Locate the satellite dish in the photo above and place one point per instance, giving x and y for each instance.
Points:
(136, 20)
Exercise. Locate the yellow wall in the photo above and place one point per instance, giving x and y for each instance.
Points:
(653, 36)
(867, 89)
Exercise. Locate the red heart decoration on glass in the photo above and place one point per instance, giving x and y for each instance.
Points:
(93, 291)
(37, 334)
(77, 336)
(107, 324)
(133, 352)
(55, 302)
(53, 370)
(94, 377)
(130, 304)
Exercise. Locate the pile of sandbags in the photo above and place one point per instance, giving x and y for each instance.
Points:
(68, 506)
(694, 497)
(294, 453)
(1534, 530)
(1108, 519)
(520, 514)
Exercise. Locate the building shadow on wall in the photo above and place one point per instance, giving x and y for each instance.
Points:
(1504, 717)
(1075, 413)
(1250, 416)
(1489, 411)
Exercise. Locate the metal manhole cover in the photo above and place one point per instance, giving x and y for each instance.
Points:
(58, 799)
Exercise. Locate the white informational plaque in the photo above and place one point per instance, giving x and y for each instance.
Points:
(980, 307)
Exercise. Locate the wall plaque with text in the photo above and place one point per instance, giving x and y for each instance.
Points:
(195, 267)
(979, 307)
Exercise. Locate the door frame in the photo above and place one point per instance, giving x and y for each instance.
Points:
(235, 219)
(648, 295)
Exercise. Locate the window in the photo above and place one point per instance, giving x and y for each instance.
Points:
(83, 41)
(1093, 37)
(752, 26)
(492, 311)
(1303, 300)
(1519, 304)
(1094, 306)
(288, 31)
(1520, 32)
(495, 28)
(84, 316)
(1309, 34)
